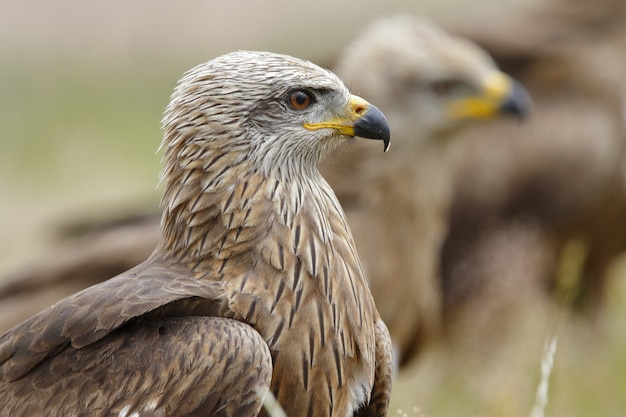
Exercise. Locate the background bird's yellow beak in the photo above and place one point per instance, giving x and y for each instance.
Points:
(360, 119)
(500, 94)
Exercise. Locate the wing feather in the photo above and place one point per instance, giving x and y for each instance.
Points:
(91, 314)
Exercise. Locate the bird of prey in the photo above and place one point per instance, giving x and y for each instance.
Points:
(425, 79)
(431, 85)
(558, 182)
(255, 283)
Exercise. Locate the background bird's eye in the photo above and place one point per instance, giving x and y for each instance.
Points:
(300, 99)
(442, 87)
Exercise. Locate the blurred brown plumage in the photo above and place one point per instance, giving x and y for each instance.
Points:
(255, 283)
(559, 179)
(431, 85)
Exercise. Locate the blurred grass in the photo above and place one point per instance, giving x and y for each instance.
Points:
(70, 119)
(75, 138)
(499, 377)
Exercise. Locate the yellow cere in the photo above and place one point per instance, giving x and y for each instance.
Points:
(344, 124)
(496, 89)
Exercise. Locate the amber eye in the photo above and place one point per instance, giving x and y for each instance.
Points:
(300, 99)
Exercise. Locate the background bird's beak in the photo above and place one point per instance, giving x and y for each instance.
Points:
(518, 101)
(500, 95)
(360, 119)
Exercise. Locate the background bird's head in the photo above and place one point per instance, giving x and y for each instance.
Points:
(278, 113)
(428, 82)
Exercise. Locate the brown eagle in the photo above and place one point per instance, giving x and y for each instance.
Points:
(255, 283)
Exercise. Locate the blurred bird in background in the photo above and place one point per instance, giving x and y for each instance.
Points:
(554, 193)
(432, 85)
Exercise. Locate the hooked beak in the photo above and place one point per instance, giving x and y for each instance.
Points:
(500, 94)
(360, 119)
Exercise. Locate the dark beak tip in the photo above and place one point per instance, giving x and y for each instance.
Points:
(519, 102)
(373, 125)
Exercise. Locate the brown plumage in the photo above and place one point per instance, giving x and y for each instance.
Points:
(91, 255)
(558, 179)
(255, 275)
(430, 85)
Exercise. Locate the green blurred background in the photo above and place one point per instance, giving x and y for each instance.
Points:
(82, 88)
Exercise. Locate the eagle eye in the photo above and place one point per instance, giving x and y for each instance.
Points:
(300, 99)
(444, 87)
